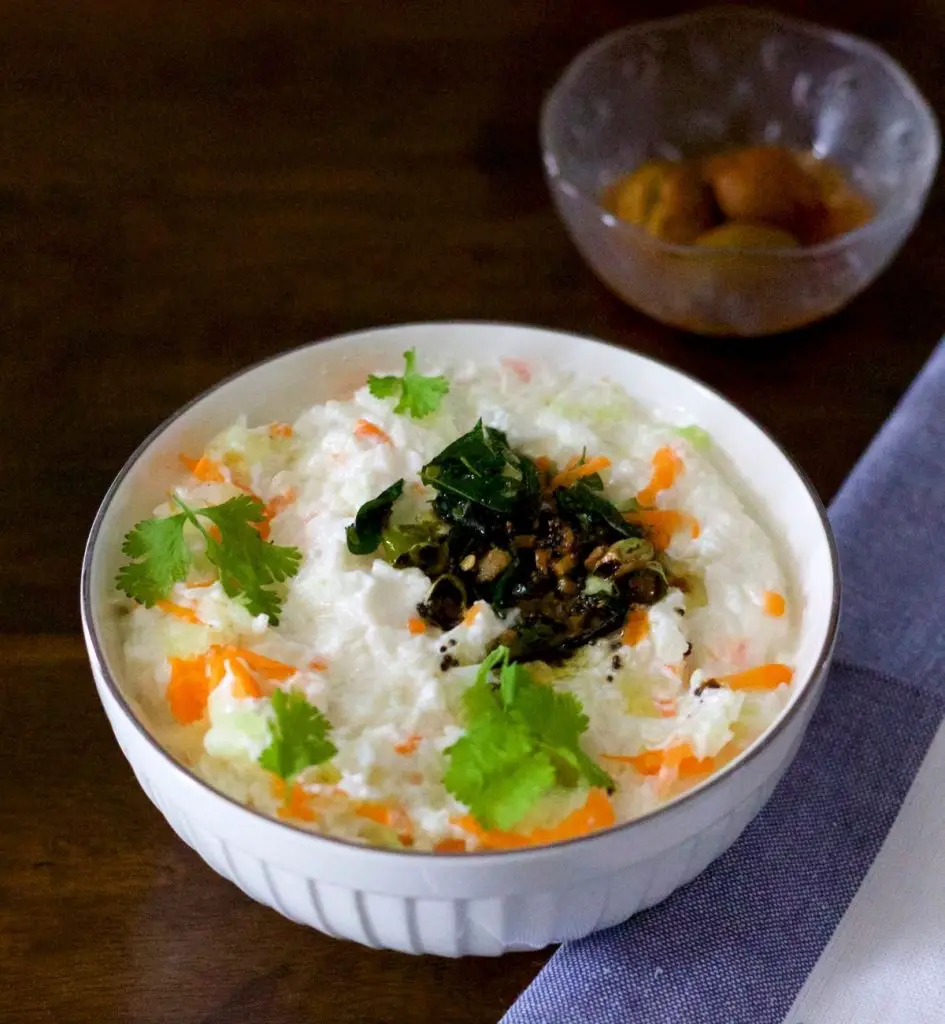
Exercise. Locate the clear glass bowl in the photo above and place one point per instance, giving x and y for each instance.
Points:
(732, 76)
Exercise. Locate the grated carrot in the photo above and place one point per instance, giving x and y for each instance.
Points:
(636, 627)
(389, 815)
(660, 525)
(269, 667)
(773, 603)
(204, 469)
(408, 746)
(666, 708)
(245, 684)
(367, 429)
(667, 466)
(678, 758)
(296, 804)
(179, 612)
(450, 846)
(519, 367)
(596, 813)
(472, 613)
(764, 677)
(279, 503)
(188, 689)
(571, 473)
(280, 430)
(416, 626)
(543, 463)
(317, 665)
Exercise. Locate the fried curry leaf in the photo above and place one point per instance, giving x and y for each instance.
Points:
(364, 534)
(585, 505)
(480, 467)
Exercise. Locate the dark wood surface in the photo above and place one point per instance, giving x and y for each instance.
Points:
(187, 187)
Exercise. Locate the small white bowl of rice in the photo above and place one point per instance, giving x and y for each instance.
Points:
(459, 638)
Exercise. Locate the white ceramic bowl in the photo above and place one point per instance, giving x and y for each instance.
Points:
(462, 904)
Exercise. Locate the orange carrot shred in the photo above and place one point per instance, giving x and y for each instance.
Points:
(636, 627)
(279, 503)
(450, 846)
(660, 525)
(773, 603)
(245, 684)
(472, 613)
(416, 626)
(543, 463)
(204, 469)
(667, 466)
(317, 665)
(389, 815)
(520, 368)
(269, 667)
(596, 813)
(297, 805)
(764, 677)
(666, 708)
(367, 429)
(179, 611)
(678, 758)
(280, 430)
(188, 689)
(572, 473)
(408, 746)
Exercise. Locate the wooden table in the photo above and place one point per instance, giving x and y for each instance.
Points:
(187, 187)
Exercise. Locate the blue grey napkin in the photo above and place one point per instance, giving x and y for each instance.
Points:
(736, 945)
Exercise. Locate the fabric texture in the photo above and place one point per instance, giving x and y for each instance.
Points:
(737, 945)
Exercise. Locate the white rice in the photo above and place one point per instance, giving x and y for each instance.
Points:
(382, 684)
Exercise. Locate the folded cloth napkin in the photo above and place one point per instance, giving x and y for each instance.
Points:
(830, 909)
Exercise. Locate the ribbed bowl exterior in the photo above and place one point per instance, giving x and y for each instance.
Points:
(426, 921)
(482, 904)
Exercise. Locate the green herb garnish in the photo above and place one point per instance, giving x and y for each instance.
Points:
(522, 740)
(418, 396)
(480, 467)
(248, 565)
(364, 534)
(588, 507)
(299, 736)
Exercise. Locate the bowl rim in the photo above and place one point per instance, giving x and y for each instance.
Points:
(747, 756)
(847, 41)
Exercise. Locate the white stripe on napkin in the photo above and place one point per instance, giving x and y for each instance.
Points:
(885, 963)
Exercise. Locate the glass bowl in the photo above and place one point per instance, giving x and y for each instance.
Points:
(698, 83)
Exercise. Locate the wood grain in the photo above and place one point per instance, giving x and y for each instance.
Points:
(188, 187)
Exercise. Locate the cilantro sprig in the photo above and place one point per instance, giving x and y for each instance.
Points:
(418, 396)
(522, 740)
(248, 565)
(298, 736)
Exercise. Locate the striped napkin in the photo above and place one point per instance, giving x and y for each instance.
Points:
(830, 909)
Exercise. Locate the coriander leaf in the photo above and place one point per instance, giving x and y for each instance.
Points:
(419, 396)
(247, 563)
(163, 559)
(497, 771)
(299, 736)
(385, 387)
(364, 534)
(522, 739)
